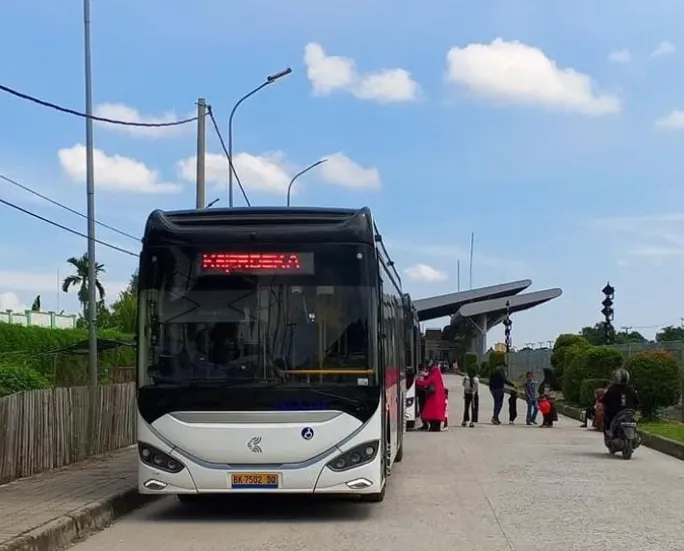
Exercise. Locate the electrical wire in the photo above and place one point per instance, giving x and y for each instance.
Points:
(65, 228)
(61, 205)
(227, 154)
(56, 107)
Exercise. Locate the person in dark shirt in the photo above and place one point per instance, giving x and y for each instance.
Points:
(619, 397)
(497, 382)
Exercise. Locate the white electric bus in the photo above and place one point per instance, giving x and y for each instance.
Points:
(413, 359)
(271, 353)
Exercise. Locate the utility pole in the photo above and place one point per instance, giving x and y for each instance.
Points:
(201, 151)
(90, 191)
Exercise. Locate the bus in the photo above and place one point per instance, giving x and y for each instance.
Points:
(270, 353)
(413, 359)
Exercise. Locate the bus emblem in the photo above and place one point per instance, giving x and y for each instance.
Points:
(307, 433)
(253, 444)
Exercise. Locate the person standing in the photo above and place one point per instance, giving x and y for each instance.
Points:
(531, 399)
(434, 409)
(471, 398)
(497, 382)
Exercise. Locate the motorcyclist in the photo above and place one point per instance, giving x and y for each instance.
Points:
(618, 397)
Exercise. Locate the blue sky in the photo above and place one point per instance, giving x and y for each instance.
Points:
(534, 125)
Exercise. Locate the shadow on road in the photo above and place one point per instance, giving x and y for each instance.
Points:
(266, 508)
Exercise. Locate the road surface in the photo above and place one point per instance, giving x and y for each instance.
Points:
(482, 489)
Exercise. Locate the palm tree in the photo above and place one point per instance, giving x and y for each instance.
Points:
(80, 280)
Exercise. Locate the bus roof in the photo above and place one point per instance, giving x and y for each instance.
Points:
(260, 223)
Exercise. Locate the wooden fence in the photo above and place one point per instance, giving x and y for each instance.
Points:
(47, 429)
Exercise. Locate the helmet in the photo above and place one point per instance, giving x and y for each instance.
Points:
(621, 376)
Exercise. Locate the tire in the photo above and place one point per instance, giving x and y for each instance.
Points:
(377, 497)
(628, 450)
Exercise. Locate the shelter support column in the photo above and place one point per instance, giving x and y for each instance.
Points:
(480, 340)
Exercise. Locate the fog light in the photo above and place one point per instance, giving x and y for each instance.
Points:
(355, 458)
(153, 484)
(359, 484)
(370, 450)
(340, 463)
(158, 460)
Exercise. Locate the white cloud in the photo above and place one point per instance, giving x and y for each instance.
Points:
(674, 120)
(620, 56)
(115, 173)
(271, 172)
(342, 171)
(10, 301)
(516, 73)
(329, 74)
(425, 274)
(121, 112)
(263, 173)
(663, 49)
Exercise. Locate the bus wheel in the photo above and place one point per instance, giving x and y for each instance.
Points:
(374, 498)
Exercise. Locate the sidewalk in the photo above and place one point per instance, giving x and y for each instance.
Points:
(51, 510)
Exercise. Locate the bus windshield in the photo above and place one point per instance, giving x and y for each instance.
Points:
(233, 320)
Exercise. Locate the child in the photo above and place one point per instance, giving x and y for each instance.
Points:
(531, 399)
(471, 399)
(513, 407)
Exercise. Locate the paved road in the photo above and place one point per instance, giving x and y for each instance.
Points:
(482, 489)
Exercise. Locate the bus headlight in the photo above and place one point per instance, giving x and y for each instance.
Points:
(357, 456)
(159, 460)
(409, 402)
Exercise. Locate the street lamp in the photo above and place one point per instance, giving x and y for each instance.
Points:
(269, 80)
(289, 187)
(507, 335)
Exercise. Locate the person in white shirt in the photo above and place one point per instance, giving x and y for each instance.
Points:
(471, 398)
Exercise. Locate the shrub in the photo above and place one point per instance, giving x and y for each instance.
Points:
(657, 378)
(496, 359)
(16, 376)
(593, 362)
(560, 347)
(484, 369)
(588, 388)
(470, 361)
(29, 345)
(568, 354)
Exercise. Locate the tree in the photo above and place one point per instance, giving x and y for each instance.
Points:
(670, 333)
(80, 280)
(461, 333)
(35, 307)
(125, 309)
(596, 336)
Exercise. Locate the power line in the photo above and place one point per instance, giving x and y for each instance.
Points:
(56, 107)
(65, 228)
(225, 151)
(61, 205)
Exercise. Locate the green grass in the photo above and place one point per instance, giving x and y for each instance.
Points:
(668, 429)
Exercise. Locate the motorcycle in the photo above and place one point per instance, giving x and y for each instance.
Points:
(623, 436)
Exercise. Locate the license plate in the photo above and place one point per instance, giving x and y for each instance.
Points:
(250, 481)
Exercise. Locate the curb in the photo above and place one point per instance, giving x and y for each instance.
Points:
(64, 531)
(650, 440)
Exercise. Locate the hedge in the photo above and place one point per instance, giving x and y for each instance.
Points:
(588, 390)
(16, 377)
(594, 362)
(657, 378)
(31, 345)
(564, 343)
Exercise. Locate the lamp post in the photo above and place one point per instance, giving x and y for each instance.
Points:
(311, 166)
(269, 80)
(507, 336)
